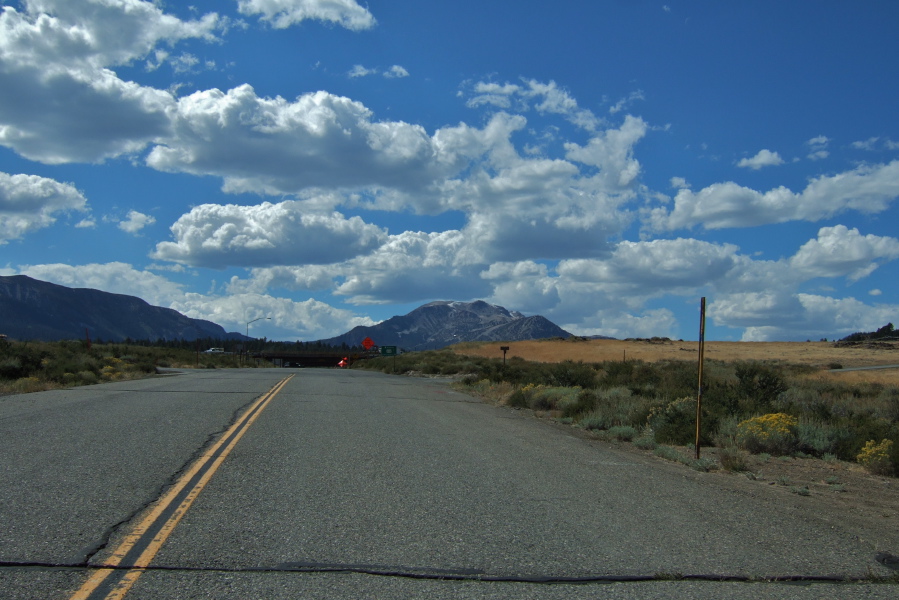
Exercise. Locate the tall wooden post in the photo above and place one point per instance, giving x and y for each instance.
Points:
(701, 357)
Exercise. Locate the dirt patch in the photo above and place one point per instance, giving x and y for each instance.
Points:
(838, 491)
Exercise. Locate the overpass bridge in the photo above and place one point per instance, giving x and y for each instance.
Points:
(303, 359)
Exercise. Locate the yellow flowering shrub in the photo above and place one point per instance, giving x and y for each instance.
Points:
(876, 457)
(774, 433)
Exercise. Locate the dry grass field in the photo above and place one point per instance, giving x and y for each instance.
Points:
(823, 355)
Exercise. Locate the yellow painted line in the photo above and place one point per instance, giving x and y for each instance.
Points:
(113, 579)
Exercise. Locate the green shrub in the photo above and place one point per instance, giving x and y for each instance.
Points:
(645, 442)
(518, 399)
(759, 384)
(550, 398)
(572, 374)
(623, 433)
(674, 422)
(581, 404)
(819, 438)
(732, 459)
(88, 377)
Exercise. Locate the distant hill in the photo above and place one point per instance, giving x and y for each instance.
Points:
(36, 310)
(885, 333)
(440, 324)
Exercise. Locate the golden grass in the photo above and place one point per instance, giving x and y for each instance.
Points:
(816, 354)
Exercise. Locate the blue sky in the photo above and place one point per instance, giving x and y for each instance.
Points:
(330, 164)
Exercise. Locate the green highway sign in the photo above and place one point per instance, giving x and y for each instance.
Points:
(388, 350)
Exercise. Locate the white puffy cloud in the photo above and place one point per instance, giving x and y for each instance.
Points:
(274, 146)
(867, 189)
(300, 320)
(542, 97)
(764, 158)
(284, 13)
(90, 34)
(217, 236)
(762, 297)
(408, 267)
(412, 266)
(839, 251)
(657, 266)
(816, 317)
(65, 103)
(29, 202)
(612, 151)
(396, 72)
(525, 285)
(135, 221)
(101, 117)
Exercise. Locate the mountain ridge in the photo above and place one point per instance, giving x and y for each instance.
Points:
(442, 323)
(31, 309)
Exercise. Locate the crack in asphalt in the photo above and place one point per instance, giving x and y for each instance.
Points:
(470, 575)
(91, 551)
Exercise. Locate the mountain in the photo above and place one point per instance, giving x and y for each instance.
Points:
(443, 323)
(37, 310)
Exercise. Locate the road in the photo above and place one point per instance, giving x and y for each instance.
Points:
(348, 484)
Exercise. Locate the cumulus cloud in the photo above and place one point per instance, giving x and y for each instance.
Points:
(274, 146)
(301, 320)
(657, 266)
(407, 267)
(29, 202)
(57, 49)
(839, 251)
(525, 285)
(867, 189)
(217, 236)
(764, 158)
(612, 151)
(135, 222)
(815, 317)
(284, 13)
(543, 97)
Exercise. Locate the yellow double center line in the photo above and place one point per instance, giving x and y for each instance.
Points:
(114, 578)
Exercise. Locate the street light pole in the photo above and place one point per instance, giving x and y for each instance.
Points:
(248, 329)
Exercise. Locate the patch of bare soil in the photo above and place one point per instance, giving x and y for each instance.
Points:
(837, 492)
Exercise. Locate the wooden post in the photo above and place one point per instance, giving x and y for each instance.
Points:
(701, 356)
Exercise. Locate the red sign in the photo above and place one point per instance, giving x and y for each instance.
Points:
(367, 343)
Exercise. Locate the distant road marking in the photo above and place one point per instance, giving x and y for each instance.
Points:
(113, 579)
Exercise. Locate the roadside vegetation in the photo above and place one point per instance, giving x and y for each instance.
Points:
(36, 366)
(749, 407)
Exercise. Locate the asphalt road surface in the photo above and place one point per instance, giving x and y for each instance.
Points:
(348, 484)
